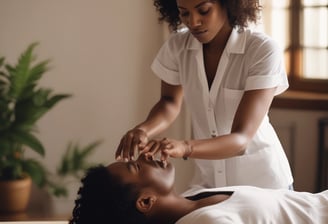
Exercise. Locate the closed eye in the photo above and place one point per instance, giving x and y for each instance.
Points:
(137, 166)
(204, 12)
(133, 166)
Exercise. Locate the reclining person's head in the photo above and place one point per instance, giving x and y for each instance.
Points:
(123, 191)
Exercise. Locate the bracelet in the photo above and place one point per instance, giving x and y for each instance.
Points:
(188, 151)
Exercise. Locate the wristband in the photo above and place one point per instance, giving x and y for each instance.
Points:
(188, 151)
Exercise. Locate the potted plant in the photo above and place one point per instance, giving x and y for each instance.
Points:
(22, 104)
(72, 167)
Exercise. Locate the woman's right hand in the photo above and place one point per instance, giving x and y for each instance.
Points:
(131, 144)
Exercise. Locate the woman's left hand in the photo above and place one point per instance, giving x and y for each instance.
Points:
(168, 148)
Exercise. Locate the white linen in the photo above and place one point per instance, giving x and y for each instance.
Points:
(265, 206)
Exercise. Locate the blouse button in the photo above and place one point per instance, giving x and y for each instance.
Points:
(213, 134)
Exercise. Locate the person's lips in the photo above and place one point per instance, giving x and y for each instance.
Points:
(137, 166)
(161, 164)
(198, 32)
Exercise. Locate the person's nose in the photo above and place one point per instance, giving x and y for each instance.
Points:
(194, 20)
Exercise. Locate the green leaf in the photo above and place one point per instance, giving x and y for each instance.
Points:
(41, 96)
(11, 170)
(57, 190)
(36, 170)
(27, 113)
(7, 148)
(74, 159)
(87, 150)
(20, 74)
(4, 76)
(10, 69)
(37, 71)
(55, 99)
(2, 60)
(26, 138)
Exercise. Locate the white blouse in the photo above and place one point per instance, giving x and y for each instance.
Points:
(250, 60)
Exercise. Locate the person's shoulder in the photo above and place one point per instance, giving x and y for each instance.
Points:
(261, 41)
(257, 34)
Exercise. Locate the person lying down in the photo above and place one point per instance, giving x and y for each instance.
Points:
(142, 192)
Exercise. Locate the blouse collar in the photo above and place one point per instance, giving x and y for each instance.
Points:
(235, 45)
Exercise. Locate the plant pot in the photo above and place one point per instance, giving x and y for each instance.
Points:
(15, 195)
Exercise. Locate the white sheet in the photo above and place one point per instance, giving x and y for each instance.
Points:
(255, 205)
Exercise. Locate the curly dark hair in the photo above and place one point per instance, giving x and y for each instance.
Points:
(102, 198)
(240, 12)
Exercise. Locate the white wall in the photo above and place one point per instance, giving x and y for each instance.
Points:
(101, 53)
(298, 132)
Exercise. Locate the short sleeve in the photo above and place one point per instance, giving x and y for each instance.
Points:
(165, 64)
(267, 68)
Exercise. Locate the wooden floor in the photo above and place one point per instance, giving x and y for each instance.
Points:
(35, 216)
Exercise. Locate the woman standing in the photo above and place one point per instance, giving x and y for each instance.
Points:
(228, 75)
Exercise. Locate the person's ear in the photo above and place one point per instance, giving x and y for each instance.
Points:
(145, 202)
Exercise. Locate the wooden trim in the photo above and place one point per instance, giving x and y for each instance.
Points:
(300, 100)
(308, 85)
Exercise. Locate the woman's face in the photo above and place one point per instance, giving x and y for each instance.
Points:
(145, 173)
(204, 18)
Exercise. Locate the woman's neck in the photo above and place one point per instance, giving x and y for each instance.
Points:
(220, 40)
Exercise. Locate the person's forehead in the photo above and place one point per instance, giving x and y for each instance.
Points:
(116, 167)
(195, 3)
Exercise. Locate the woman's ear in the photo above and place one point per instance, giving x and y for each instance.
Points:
(145, 202)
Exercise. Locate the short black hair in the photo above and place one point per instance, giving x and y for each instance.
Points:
(240, 12)
(103, 198)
